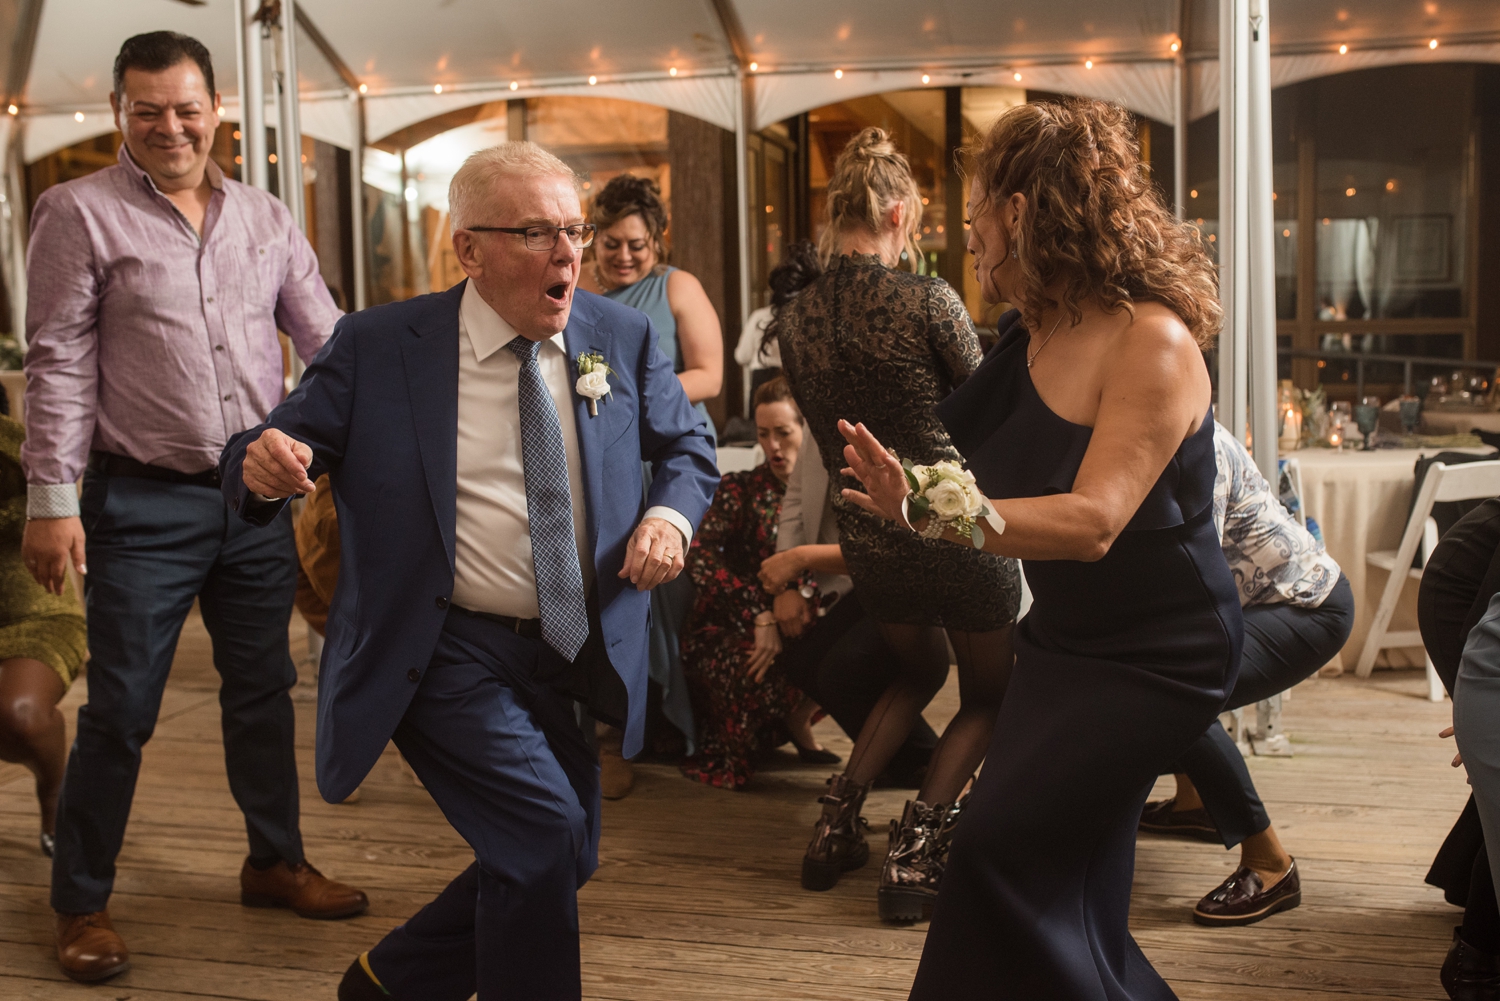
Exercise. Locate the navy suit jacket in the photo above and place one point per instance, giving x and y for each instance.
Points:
(379, 408)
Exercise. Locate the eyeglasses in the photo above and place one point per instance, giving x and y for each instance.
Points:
(544, 238)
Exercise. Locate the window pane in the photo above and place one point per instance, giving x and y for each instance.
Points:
(1392, 192)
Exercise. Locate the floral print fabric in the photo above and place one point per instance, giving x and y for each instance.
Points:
(734, 713)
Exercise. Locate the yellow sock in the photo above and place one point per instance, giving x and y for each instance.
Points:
(364, 964)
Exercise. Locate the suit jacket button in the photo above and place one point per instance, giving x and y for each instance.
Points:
(234, 504)
(441, 602)
(414, 675)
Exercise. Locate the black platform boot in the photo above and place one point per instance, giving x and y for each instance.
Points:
(915, 859)
(838, 843)
(1468, 974)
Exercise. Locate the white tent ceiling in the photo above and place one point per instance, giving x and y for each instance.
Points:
(476, 50)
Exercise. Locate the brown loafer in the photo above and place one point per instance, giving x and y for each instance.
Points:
(1161, 818)
(88, 947)
(1242, 900)
(302, 888)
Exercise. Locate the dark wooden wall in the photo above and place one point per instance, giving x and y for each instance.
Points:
(703, 232)
(1487, 289)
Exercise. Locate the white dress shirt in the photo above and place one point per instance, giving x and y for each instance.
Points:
(492, 552)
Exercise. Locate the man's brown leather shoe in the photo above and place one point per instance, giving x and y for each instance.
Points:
(89, 948)
(1242, 900)
(304, 889)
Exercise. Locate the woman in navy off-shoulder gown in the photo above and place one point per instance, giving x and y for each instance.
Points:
(1089, 428)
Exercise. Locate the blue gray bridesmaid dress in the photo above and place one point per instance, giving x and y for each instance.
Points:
(1120, 665)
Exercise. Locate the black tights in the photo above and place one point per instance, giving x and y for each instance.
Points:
(984, 665)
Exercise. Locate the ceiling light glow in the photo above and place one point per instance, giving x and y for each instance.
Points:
(838, 74)
(593, 80)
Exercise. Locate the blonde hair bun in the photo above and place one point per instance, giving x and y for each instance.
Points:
(870, 176)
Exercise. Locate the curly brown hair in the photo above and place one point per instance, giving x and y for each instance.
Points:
(626, 195)
(1093, 227)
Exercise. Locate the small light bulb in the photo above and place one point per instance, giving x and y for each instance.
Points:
(1193, 193)
(1348, 192)
(237, 134)
(1432, 44)
(514, 85)
(364, 88)
(272, 158)
(593, 80)
(838, 74)
(1088, 64)
(926, 78)
(437, 88)
(1274, 196)
(672, 71)
(13, 109)
(1016, 77)
(304, 157)
(1175, 46)
(239, 159)
(77, 116)
(754, 67)
(1343, 50)
(1286, 232)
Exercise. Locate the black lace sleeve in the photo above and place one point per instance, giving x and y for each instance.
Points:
(950, 332)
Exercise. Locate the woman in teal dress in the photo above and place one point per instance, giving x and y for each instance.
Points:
(630, 266)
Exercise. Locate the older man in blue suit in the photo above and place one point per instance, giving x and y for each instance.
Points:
(496, 560)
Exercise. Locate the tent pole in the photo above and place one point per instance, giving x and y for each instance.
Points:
(253, 96)
(1261, 291)
(289, 125)
(1181, 107)
(1233, 235)
(357, 198)
(13, 240)
(742, 179)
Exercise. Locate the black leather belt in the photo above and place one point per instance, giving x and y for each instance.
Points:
(110, 464)
(529, 628)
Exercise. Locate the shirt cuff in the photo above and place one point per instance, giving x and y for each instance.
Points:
(675, 517)
(55, 500)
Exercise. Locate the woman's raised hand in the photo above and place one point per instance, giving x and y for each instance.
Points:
(878, 469)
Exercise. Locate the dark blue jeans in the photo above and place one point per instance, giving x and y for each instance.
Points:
(1284, 644)
(152, 548)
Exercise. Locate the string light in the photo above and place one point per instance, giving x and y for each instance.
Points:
(1286, 232)
(1432, 44)
(593, 80)
(13, 110)
(1088, 64)
(838, 74)
(1175, 46)
(237, 135)
(272, 158)
(1348, 192)
(514, 85)
(926, 78)
(1343, 50)
(364, 88)
(672, 71)
(239, 159)
(437, 89)
(1193, 193)
(77, 116)
(1016, 77)
(754, 67)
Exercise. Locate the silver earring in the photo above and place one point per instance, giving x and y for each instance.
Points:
(1013, 255)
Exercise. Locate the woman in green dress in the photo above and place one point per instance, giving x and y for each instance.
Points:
(42, 647)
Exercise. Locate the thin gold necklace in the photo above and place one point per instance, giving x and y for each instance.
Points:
(1031, 355)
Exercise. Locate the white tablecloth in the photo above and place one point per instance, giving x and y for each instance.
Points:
(1359, 499)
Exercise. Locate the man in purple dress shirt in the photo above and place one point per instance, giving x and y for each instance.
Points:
(156, 290)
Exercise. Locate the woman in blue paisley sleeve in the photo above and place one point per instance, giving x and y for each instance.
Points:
(1298, 610)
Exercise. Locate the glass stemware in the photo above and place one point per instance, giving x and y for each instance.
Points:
(1367, 417)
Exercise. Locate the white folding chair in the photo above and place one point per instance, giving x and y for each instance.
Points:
(1465, 481)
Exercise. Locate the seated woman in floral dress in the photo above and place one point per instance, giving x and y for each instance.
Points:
(730, 644)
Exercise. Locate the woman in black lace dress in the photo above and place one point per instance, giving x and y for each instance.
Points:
(864, 341)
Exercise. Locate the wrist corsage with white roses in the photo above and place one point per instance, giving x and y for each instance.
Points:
(593, 379)
(945, 493)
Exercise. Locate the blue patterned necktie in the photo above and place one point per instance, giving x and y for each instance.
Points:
(549, 508)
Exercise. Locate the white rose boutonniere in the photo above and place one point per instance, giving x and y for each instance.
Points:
(946, 491)
(593, 379)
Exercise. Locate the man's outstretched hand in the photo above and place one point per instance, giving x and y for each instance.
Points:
(276, 465)
(653, 555)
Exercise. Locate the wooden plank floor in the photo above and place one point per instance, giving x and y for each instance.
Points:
(697, 894)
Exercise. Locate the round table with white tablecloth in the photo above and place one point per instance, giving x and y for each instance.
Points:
(1360, 500)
